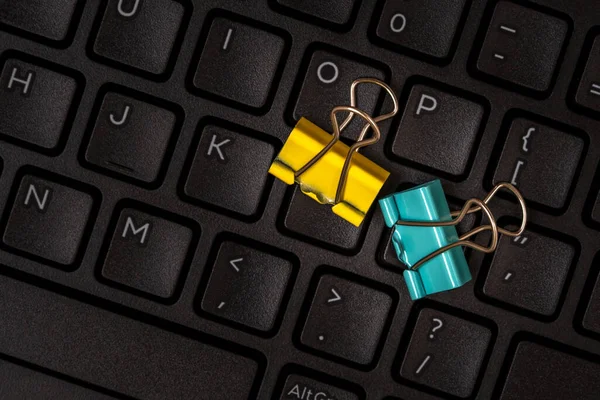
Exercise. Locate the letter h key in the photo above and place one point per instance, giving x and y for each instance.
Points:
(36, 104)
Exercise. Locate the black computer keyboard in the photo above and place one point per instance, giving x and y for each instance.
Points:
(146, 253)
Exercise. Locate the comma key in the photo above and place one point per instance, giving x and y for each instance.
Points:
(529, 272)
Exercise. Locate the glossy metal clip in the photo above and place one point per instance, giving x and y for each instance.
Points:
(327, 169)
(425, 239)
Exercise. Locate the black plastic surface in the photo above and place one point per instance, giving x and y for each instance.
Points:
(75, 57)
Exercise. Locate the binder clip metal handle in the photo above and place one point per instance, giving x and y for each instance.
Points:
(371, 123)
(377, 119)
(424, 235)
(328, 170)
(458, 216)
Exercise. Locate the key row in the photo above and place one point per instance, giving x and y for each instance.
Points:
(521, 45)
(132, 135)
(534, 367)
(51, 222)
(148, 252)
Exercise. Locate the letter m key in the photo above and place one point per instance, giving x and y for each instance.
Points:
(140, 232)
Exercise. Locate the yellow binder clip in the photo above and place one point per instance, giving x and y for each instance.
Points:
(327, 169)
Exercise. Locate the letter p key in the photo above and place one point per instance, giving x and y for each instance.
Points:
(427, 103)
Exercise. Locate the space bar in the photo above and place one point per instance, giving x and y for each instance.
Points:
(115, 352)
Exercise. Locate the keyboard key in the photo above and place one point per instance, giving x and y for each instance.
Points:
(346, 320)
(530, 272)
(140, 34)
(523, 46)
(240, 62)
(427, 27)
(230, 169)
(328, 13)
(541, 161)
(47, 18)
(446, 353)
(300, 387)
(48, 220)
(588, 92)
(326, 84)
(387, 254)
(591, 318)
(247, 286)
(437, 122)
(36, 105)
(105, 349)
(148, 253)
(310, 220)
(539, 372)
(24, 383)
(130, 137)
(596, 209)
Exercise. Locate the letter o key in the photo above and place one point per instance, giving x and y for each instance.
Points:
(393, 25)
(324, 79)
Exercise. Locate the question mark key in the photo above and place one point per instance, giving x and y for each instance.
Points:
(443, 345)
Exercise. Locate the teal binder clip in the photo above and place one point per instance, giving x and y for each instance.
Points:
(425, 238)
